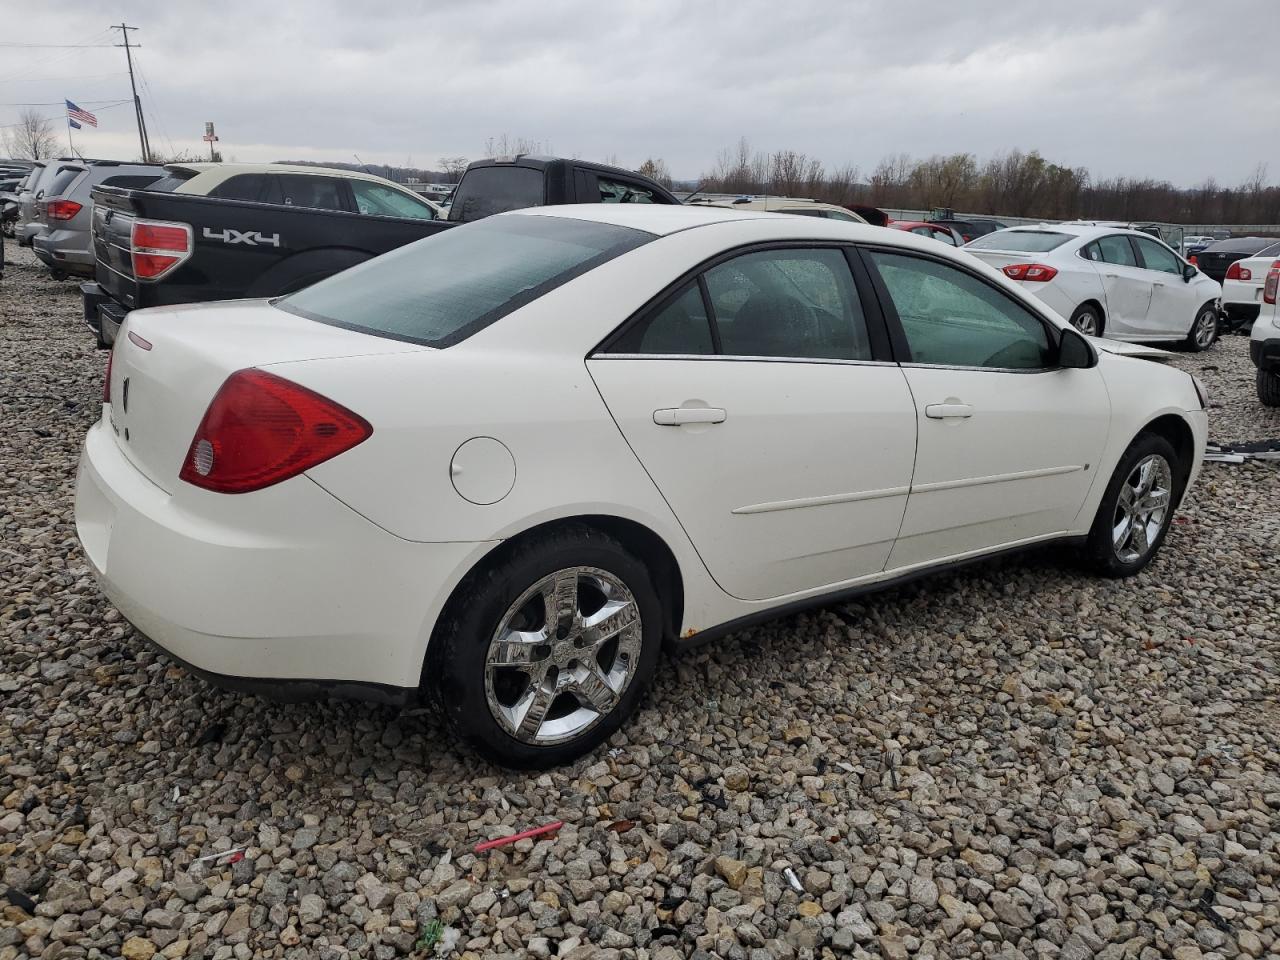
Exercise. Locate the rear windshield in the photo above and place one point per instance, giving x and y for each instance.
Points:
(61, 180)
(170, 183)
(1019, 241)
(1239, 245)
(485, 191)
(444, 288)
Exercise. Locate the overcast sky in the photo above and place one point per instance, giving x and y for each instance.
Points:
(1163, 88)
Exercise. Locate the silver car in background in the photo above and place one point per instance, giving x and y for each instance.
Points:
(64, 242)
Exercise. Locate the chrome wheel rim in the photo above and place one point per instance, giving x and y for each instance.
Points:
(1206, 327)
(1143, 505)
(563, 655)
(1087, 324)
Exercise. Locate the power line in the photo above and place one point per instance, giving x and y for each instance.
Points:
(57, 103)
(41, 46)
(109, 106)
(83, 76)
(124, 29)
(50, 59)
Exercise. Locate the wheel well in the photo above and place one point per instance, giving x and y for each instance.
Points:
(1174, 429)
(650, 548)
(1102, 313)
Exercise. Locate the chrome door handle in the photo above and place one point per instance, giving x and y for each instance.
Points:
(676, 416)
(1113, 276)
(948, 411)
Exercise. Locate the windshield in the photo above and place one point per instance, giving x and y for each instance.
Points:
(1020, 241)
(442, 289)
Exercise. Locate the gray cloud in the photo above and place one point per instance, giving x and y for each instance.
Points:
(1169, 89)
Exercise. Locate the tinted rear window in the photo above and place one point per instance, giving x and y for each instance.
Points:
(170, 183)
(442, 289)
(485, 191)
(61, 180)
(1239, 245)
(1020, 241)
(135, 181)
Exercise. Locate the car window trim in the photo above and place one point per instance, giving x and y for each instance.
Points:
(1142, 260)
(877, 329)
(898, 334)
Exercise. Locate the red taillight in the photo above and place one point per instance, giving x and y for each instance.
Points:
(1035, 272)
(1273, 281)
(158, 247)
(261, 429)
(1237, 272)
(106, 383)
(62, 209)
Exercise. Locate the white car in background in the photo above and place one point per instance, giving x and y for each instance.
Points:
(1108, 281)
(1264, 343)
(505, 465)
(1242, 285)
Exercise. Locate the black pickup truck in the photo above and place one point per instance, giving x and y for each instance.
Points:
(158, 248)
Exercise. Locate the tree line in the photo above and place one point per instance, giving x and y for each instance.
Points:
(1014, 184)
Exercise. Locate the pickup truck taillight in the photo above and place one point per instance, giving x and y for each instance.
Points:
(1237, 272)
(158, 247)
(1273, 281)
(261, 429)
(62, 209)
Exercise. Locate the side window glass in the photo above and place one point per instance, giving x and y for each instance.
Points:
(1157, 257)
(788, 303)
(678, 328)
(244, 186)
(954, 319)
(301, 190)
(1092, 252)
(1115, 249)
(618, 191)
(379, 200)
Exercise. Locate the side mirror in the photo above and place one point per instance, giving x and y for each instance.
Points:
(1074, 352)
(1189, 272)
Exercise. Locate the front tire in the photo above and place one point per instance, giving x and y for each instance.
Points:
(1088, 320)
(1136, 509)
(1204, 329)
(1269, 388)
(545, 653)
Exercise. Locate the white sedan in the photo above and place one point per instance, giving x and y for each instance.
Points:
(1242, 286)
(1109, 281)
(505, 465)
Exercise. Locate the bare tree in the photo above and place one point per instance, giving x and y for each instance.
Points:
(453, 167)
(31, 138)
(656, 169)
(507, 146)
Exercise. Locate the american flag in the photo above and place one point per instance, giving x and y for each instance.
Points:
(75, 113)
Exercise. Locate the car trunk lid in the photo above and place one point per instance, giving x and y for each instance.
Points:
(169, 362)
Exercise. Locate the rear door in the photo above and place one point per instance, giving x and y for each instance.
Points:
(1126, 285)
(760, 398)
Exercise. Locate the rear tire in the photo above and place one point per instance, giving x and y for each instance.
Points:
(1127, 532)
(1269, 388)
(1088, 320)
(529, 693)
(1204, 329)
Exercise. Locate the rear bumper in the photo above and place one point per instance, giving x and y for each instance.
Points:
(285, 591)
(64, 250)
(102, 315)
(1265, 354)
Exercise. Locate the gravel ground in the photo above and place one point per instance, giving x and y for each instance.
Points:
(1013, 761)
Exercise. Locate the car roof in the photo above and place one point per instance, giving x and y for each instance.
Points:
(1082, 230)
(661, 219)
(234, 169)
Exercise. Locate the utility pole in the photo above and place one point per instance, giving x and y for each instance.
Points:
(124, 29)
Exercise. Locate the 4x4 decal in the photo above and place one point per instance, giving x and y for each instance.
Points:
(250, 237)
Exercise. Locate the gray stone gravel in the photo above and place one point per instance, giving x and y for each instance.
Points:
(1016, 761)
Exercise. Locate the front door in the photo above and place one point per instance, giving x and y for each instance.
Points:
(1173, 306)
(1008, 444)
(781, 439)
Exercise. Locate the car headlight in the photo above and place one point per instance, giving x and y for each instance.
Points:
(1201, 391)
